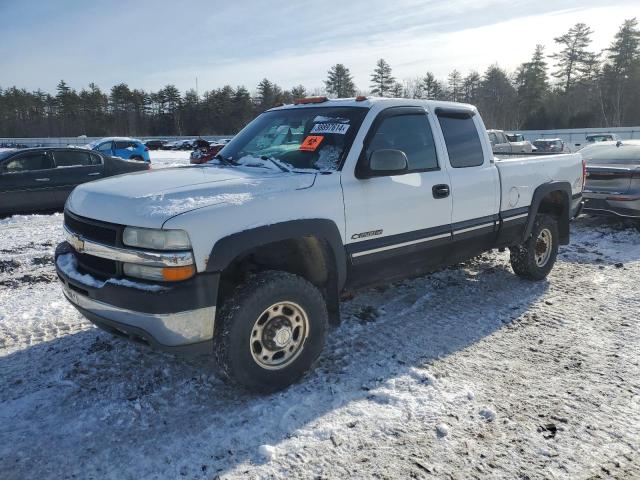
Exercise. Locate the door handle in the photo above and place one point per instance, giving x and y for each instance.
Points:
(42, 179)
(93, 174)
(440, 191)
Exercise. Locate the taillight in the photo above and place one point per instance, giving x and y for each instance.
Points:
(584, 173)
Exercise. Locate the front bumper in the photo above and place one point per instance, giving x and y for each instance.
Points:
(179, 318)
(601, 204)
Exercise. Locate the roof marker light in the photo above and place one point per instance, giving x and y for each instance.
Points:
(304, 101)
(360, 98)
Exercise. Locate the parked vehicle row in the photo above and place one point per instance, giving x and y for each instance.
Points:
(245, 257)
(502, 142)
(40, 179)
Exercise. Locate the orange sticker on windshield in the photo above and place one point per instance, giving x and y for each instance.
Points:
(311, 143)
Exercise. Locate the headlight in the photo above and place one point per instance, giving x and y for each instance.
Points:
(156, 239)
(163, 274)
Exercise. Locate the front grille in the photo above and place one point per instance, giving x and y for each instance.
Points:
(101, 232)
(96, 266)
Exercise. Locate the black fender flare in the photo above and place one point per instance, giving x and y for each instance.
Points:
(538, 195)
(226, 249)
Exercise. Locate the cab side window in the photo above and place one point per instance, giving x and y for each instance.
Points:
(409, 133)
(28, 162)
(462, 140)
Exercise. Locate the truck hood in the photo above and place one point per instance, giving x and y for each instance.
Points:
(148, 199)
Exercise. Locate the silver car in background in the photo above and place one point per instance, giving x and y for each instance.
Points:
(613, 178)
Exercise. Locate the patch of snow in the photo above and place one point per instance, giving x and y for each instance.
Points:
(268, 452)
(159, 206)
(69, 265)
(328, 158)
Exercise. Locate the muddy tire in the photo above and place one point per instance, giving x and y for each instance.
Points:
(270, 331)
(535, 258)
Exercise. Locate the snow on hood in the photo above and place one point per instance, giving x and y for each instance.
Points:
(148, 199)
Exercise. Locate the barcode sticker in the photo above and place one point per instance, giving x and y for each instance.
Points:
(339, 128)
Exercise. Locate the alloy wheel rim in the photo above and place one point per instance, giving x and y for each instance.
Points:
(544, 244)
(278, 335)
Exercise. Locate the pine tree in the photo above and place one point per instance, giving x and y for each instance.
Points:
(431, 88)
(454, 84)
(573, 57)
(339, 82)
(621, 73)
(532, 85)
(470, 87)
(497, 99)
(269, 94)
(299, 91)
(382, 82)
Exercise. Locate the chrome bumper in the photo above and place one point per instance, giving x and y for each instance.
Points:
(166, 329)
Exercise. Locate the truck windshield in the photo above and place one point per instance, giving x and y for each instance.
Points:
(307, 138)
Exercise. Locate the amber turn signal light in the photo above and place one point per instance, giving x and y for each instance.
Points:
(174, 274)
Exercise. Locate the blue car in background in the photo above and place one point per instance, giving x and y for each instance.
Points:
(123, 147)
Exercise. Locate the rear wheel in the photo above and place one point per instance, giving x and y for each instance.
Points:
(270, 331)
(535, 258)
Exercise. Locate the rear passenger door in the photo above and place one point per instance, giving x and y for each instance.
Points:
(74, 167)
(124, 149)
(398, 223)
(474, 182)
(25, 183)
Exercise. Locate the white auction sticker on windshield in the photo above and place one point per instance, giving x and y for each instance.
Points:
(339, 128)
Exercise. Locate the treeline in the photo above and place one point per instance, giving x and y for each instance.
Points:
(573, 87)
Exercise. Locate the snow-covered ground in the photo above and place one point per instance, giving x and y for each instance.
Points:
(467, 373)
(169, 158)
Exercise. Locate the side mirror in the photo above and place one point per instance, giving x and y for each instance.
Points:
(384, 163)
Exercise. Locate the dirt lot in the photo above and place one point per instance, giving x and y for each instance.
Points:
(467, 373)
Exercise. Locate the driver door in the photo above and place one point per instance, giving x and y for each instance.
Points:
(399, 223)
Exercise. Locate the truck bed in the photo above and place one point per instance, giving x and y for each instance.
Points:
(520, 176)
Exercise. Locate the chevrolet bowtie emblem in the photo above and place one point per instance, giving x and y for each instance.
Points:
(76, 242)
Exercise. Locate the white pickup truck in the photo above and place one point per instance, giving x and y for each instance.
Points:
(246, 257)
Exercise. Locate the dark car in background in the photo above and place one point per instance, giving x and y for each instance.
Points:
(613, 178)
(41, 179)
(551, 145)
(154, 144)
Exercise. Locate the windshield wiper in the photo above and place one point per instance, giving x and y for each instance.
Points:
(277, 164)
(224, 160)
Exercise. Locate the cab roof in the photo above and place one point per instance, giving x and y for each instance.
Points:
(370, 102)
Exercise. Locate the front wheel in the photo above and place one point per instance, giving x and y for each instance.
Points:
(535, 258)
(270, 331)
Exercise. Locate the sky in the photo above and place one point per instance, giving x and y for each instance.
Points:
(151, 43)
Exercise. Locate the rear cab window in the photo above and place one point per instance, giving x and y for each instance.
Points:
(461, 138)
